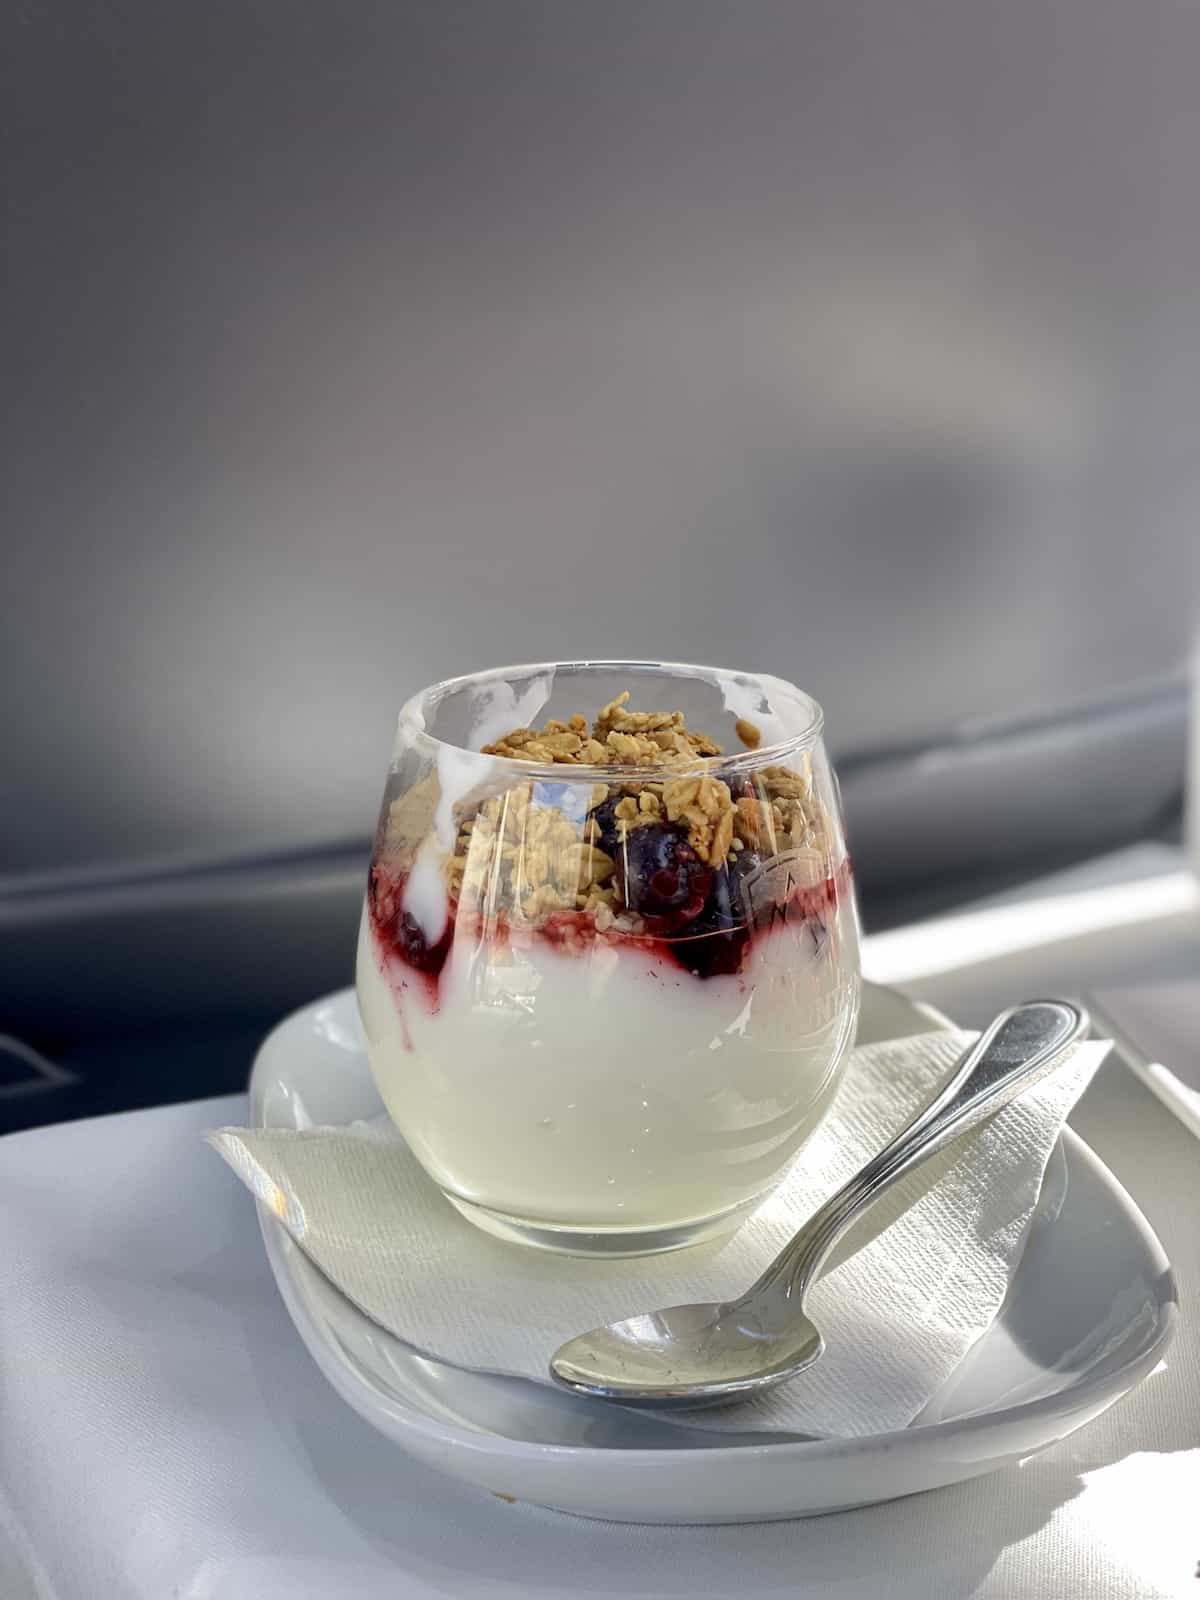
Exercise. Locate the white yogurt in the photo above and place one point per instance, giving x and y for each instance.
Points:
(610, 1090)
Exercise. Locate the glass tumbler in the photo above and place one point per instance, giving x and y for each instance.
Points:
(608, 962)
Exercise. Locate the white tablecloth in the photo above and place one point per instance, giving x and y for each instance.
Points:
(163, 1432)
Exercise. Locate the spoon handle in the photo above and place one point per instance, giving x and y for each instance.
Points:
(1021, 1047)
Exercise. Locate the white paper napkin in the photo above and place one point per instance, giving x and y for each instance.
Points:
(909, 1292)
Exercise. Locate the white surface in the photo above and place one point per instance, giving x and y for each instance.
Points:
(898, 1313)
(1159, 1029)
(1130, 917)
(213, 1462)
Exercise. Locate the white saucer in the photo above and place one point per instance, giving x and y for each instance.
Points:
(1089, 1314)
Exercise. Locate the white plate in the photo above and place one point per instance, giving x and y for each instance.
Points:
(1090, 1311)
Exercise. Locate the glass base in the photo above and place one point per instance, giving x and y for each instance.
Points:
(607, 1243)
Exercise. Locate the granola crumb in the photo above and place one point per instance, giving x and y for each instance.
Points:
(748, 732)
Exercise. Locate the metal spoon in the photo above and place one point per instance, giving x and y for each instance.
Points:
(704, 1354)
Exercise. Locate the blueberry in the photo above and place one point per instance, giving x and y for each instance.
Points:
(711, 953)
(659, 875)
(410, 943)
(604, 816)
(727, 905)
(714, 942)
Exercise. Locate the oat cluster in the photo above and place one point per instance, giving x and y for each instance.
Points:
(782, 814)
(618, 737)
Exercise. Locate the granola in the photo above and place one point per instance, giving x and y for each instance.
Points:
(522, 850)
(680, 848)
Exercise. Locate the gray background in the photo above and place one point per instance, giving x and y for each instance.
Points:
(351, 345)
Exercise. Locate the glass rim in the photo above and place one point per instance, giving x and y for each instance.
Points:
(412, 721)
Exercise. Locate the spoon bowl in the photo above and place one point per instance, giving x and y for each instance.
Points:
(686, 1356)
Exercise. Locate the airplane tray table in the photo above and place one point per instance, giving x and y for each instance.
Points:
(166, 1433)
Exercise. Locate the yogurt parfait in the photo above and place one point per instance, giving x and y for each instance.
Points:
(608, 961)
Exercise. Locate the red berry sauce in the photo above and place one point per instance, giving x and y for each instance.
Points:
(712, 944)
